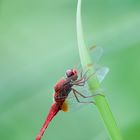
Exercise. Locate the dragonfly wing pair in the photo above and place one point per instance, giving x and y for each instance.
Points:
(101, 72)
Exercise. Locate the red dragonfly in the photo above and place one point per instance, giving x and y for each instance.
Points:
(63, 88)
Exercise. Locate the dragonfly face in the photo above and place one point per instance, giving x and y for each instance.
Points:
(72, 74)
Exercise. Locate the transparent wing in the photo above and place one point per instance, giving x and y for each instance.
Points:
(96, 53)
(72, 102)
(101, 72)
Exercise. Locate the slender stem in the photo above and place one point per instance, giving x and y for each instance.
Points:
(93, 82)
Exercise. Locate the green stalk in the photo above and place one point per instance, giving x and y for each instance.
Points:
(93, 82)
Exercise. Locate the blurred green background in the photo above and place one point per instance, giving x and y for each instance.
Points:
(38, 44)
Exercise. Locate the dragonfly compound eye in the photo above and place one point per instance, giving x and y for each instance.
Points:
(69, 73)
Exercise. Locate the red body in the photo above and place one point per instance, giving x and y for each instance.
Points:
(53, 111)
(62, 89)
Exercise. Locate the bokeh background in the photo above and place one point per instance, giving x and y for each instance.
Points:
(38, 44)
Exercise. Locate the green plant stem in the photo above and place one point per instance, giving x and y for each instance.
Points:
(93, 82)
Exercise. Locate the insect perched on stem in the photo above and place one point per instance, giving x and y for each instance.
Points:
(67, 86)
(62, 90)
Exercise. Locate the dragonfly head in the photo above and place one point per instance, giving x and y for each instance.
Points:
(72, 73)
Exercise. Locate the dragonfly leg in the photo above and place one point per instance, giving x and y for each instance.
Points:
(94, 95)
(74, 92)
(84, 75)
(81, 78)
(81, 74)
(81, 81)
